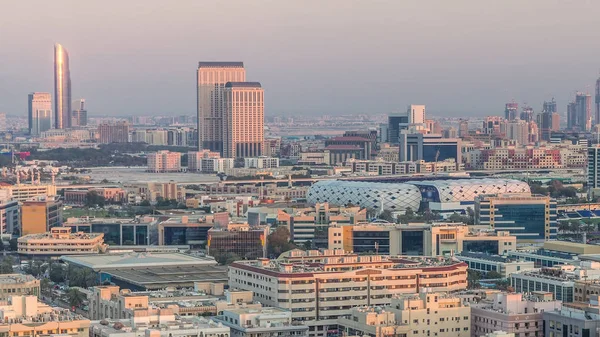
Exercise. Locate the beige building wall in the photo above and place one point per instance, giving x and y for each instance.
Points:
(211, 78)
(243, 120)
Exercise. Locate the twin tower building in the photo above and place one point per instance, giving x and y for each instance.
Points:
(230, 110)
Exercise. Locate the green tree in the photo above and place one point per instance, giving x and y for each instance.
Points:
(57, 273)
(93, 198)
(386, 215)
(45, 286)
(493, 275)
(75, 297)
(279, 241)
(473, 278)
(6, 265)
(13, 245)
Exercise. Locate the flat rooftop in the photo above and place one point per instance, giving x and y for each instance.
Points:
(132, 261)
(15, 278)
(571, 247)
(161, 277)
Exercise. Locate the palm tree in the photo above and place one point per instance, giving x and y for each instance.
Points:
(75, 297)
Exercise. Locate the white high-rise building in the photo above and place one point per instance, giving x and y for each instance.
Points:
(211, 79)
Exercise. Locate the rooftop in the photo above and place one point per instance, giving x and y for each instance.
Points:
(487, 257)
(138, 260)
(242, 85)
(15, 278)
(176, 276)
(184, 323)
(210, 64)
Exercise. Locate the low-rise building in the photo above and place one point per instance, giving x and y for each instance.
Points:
(238, 238)
(158, 326)
(338, 282)
(25, 316)
(18, 285)
(60, 241)
(24, 192)
(110, 302)
(558, 280)
(485, 263)
(418, 239)
(263, 322)
(573, 320)
(261, 162)
(512, 313)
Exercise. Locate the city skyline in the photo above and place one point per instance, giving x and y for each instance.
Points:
(463, 64)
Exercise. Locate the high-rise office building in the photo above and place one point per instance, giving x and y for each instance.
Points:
(114, 133)
(463, 128)
(243, 120)
(518, 130)
(211, 80)
(62, 88)
(546, 120)
(40, 112)
(416, 114)
(579, 113)
(79, 113)
(511, 111)
(527, 114)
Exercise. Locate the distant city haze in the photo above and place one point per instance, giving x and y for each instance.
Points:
(313, 57)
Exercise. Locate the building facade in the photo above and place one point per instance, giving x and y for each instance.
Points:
(62, 88)
(319, 293)
(40, 112)
(60, 241)
(18, 285)
(114, 132)
(529, 218)
(243, 120)
(238, 238)
(211, 78)
(164, 161)
(39, 216)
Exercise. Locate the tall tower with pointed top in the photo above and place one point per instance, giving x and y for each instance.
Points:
(62, 88)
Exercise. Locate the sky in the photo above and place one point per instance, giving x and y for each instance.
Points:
(313, 57)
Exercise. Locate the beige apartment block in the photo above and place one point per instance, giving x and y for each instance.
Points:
(60, 241)
(320, 292)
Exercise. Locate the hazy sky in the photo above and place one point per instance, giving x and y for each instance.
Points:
(459, 57)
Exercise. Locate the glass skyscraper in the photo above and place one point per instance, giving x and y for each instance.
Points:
(62, 88)
(40, 112)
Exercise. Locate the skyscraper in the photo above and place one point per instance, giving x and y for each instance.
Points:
(546, 120)
(511, 111)
(62, 88)
(79, 113)
(114, 133)
(583, 110)
(243, 120)
(527, 114)
(211, 80)
(40, 112)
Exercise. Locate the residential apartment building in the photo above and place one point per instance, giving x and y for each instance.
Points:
(164, 161)
(18, 285)
(320, 292)
(60, 241)
(243, 120)
(195, 159)
(38, 216)
(114, 132)
(373, 167)
(263, 322)
(25, 316)
(529, 218)
(512, 313)
(418, 239)
(261, 162)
